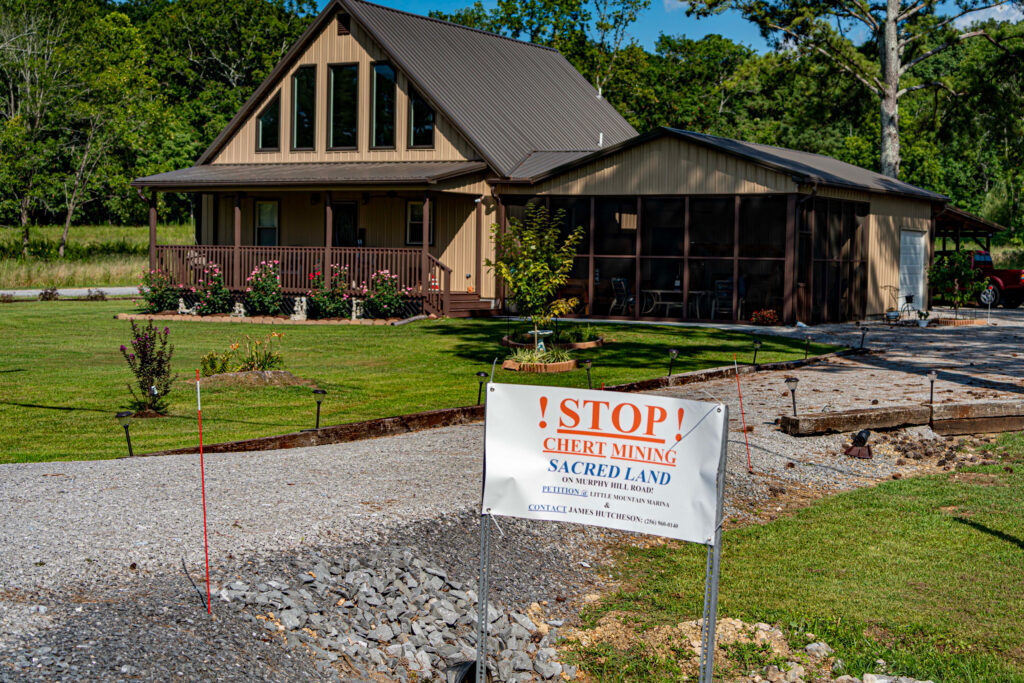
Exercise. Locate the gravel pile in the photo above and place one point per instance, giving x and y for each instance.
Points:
(391, 613)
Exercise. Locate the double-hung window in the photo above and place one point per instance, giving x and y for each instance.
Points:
(266, 223)
(414, 223)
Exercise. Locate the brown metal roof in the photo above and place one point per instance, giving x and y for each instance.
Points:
(539, 163)
(953, 220)
(311, 174)
(510, 98)
(804, 167)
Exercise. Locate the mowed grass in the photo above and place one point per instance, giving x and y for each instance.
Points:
(926, 573)
(109, 270)
(62, 378)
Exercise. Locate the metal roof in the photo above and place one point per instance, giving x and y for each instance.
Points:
(538, 163)
(311, 174)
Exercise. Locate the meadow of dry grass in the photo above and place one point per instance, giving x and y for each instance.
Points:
(110, 270)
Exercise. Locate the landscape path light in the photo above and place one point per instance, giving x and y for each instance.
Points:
(863, 332)
(757, 347)
(791, 383)
(932, 376)
(318, 394)
(586, 364)
(672, 355)
(125, 418)
(807, 346)
(482, 378)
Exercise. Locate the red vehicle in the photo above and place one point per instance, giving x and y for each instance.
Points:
(1008, 283)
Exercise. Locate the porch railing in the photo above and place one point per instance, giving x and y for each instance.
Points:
(186, 263)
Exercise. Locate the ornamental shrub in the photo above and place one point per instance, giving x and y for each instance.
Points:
(384, 298)
(767, 316)
(213, 296)
(150, 362)
(263, 289)
(329, 303)
(158, 292)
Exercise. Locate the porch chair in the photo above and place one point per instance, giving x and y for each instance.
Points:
(621, 296)
(722, 299)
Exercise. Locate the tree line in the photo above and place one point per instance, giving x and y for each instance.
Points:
(94, 93)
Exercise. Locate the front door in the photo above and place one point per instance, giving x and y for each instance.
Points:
(345, 221)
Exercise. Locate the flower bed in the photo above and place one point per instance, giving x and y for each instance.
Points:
(957, 322)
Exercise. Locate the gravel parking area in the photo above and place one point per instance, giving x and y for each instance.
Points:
(91, 552)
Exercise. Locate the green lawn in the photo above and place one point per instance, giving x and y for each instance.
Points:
(169, 233)
(926, 573)
(62, 377)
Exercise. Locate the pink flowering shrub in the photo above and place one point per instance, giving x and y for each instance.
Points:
(212, 294)
(263, 289)
(334, 302)
(384, 298)
(150, 361)
(158, 292)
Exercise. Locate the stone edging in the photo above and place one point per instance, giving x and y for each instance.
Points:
(449, 417)
(956, 322)
(561, 366)
(570, 346)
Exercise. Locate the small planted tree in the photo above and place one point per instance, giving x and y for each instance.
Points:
(533, 261)
(953, 278)
(150, 361)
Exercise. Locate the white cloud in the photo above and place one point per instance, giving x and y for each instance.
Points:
(673, 5)
(1008, 12)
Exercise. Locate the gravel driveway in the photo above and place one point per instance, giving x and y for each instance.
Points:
(91, 552)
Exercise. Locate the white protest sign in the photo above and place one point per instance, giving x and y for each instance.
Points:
(635, 462)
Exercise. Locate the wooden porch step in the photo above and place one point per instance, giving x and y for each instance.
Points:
(466, 305)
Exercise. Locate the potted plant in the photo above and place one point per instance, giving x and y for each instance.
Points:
(891, 314)
(922, 318)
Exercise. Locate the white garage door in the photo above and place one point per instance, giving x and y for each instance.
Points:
(913, 264)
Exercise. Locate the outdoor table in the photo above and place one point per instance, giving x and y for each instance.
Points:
(653, 298)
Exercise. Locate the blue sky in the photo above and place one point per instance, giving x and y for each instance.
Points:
(664, 16)
(668, 16)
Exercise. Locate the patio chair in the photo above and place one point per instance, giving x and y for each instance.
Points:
(621, 298)
(722, 299)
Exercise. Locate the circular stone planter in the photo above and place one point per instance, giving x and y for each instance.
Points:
(505, 341)
(563, 366)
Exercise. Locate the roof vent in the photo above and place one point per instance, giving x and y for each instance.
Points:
(600, 139)
(344, 25)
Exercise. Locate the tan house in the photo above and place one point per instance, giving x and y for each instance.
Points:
(387, 140)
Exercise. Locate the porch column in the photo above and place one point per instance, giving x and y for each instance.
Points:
(152, 230)
(237, 252)
(590, 259)
(425, 248)
(636, 275)
(736, 259)
(789, 279)
(328, 238)
(478, 279)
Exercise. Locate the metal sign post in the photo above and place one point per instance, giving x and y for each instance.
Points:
(988, 297)
(711, 574)
(638, 463)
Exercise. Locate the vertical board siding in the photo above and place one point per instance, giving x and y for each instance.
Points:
(890, 215)
(663, 166)
(330, 48)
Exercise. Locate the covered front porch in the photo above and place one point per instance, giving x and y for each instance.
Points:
(434, 240)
